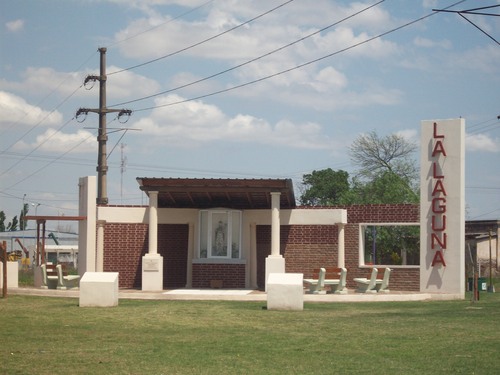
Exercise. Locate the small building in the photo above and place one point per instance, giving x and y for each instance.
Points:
(229, 233)
(482, 244)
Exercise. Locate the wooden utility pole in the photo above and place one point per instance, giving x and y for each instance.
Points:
(3, 258)
(102, 137)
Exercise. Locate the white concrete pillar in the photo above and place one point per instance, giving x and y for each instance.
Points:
(190, 254)
(341, 246)
(275, 224)
(253, 256)
(87, 236)
(152, 262)
(99, 267)
(275, 263)
(153, 223)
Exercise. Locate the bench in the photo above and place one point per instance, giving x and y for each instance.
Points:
(65, 281)
(336, 279)
(383, 283)
(49, 276)
(317, 283)
(377, 281)
(333, 277)
(367, 284)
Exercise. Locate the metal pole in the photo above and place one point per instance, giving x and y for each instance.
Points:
(102, 167)
(3, 257)
(490, 286)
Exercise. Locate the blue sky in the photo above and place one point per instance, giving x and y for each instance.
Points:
(282, 127)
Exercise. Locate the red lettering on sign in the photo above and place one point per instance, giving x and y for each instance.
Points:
(439, 208)
(435, 171)
(436, 240)
(438, 258)
(438, 205)
(434, 225)
(438, 149)
(435, 134)
(438, 188)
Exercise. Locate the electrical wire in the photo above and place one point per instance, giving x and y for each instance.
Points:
(37, 147)
(160, 25)
(203, 41)
(41, 101)
(297, 66)
(252, 60)
(51, 162)
(41, 121)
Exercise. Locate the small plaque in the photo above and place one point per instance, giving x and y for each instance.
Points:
(151, 265)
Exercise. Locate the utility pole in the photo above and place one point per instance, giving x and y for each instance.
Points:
(122, 169)
(102, 137)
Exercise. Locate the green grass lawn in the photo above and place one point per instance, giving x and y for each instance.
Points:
(43, 335)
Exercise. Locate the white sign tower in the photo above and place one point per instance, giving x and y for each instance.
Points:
(442, 207)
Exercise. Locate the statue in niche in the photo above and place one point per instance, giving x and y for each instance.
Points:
(220, 243)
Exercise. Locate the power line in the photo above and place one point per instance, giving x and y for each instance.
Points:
(255, 59)
(475, 11)
(297, 66)
(42, 120)
(50, 163)
(43, 100)
(160, 25)
(37, 147)
(205, 40)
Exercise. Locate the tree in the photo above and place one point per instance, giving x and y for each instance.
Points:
(324, 188)
(2, 221)
(387, 171)
(375, 155)
(12, 225)
(387, 187)
(24, 212)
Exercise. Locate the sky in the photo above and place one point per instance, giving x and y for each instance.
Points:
(236, 89)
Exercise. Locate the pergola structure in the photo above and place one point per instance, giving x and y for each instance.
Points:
(241, 194)
(40, 224)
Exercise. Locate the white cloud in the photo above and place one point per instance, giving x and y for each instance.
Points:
(15, 110)
(430, 3)
(15, 26)
(428, 43)
(58, 142)
(262, 36)
(128, 84)
(410, 135)
(120, 86)
(481, 142)
(199, 122)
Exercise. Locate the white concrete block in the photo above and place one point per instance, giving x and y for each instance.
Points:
(12, 275)
(152, 272)
(99, 289)
(285, 291)
(274, 264)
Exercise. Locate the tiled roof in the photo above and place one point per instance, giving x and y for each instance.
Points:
(212, 193)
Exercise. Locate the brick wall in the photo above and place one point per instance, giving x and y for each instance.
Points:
(173, 246)
(124, 246)
(306, 247)
(232, 275)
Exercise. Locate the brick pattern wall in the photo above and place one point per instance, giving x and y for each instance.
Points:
(407, 279)
(306, 247)
(124, 246)
(173, 246)
(232, 275)
(302, 246)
